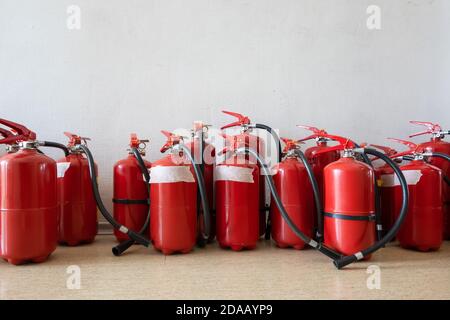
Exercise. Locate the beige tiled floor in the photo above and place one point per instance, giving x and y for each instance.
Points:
(212, 273)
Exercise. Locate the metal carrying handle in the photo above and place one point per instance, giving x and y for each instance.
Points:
(317, 133)
(75, 139)
(23, 133)
(290, 144)
(241, 120)
(432, 128)
(343, 143)
(5, 133)
(387, 150)
(172, 140)
(413, 148)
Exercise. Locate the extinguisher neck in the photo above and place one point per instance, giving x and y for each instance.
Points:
(348, 153)
(28, 145)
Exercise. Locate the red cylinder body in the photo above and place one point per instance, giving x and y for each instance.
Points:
(129, 184)
(422, 227)
(28, 207)
(77, 207)
(318, 162)
(247, 140)
(295, 190)
(208, 176)
(349, 193)
(439, 145)
(173, 219)
(387, 196)
(237, 204)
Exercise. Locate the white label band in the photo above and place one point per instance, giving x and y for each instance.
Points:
(61, 168)
(171, 174)
(233, 173)
(412, 178)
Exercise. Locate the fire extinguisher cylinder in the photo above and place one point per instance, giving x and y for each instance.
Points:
(125, 245)
(346, 260)
(317, 245)
(132, 234)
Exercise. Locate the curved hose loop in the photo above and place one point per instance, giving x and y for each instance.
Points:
(316, 191)
(125, 245)
(346, 260)
(379, 226)
(130, 233)
(316, 245)
(280, 156)
(201, 189)
(445, 157)
(51, 144)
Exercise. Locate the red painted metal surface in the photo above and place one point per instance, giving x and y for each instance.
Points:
(237, 205)
(387, 196)
(28, 207)
(319, 157)
(424, 221)
(209, 154)
(386, 192)
(296, 194)
(437, 144)
(173, 222)
(247, 140)
(77, 221)
(349, 190)
(129, 184)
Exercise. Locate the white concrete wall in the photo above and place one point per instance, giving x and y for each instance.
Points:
(142, 66)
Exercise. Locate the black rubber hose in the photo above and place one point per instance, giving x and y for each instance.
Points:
(342, 262)
(51, 144)
(202, 191)
(125, 245)
(447, 180)
(280, 156)
(440, 155)
(378, 219)
(317, 245)
(130, 233)
(445, 157)
(200, 241)
(316, 191)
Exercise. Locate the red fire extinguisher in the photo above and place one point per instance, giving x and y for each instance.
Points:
(256, 143)
(237, 198)
(77, 207)
(423, 226)
(131, 199)
(319, 160)
(437, 144)
(387, 194)
(28, 203)
(296, 194)
(204, 154)
(173, 205)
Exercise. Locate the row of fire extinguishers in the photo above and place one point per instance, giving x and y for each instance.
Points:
(331, 197)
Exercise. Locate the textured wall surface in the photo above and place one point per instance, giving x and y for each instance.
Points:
(142, 66)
